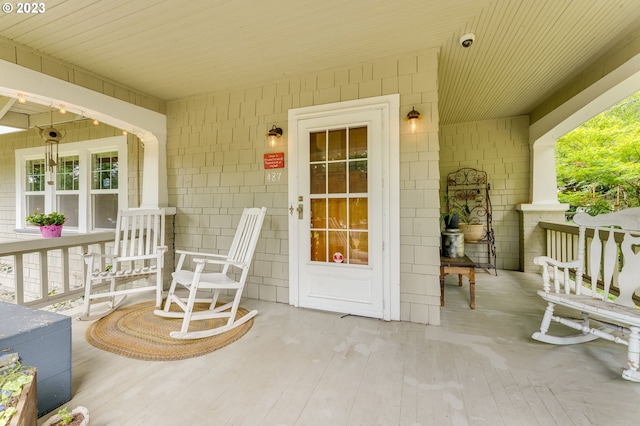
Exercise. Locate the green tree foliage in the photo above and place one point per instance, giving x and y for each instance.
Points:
(598, 163)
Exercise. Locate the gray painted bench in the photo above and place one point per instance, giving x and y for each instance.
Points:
(616, 318)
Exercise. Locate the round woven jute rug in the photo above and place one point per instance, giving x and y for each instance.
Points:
(136, 332)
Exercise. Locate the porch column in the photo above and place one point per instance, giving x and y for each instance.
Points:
(544, 186)
(544, 206)
(154, 179)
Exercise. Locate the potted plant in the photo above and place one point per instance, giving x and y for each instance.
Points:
(79, 416)
(452, 240)
(50, 223)
(469, 225)
(452, 216)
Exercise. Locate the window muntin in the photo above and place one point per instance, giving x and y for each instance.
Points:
(104, 170)
(35, 173)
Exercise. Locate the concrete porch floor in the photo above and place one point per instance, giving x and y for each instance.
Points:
(305, 367)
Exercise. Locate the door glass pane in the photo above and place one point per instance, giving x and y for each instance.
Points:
(358, 176)
(317, 146)
(318, 213)
(359, 247)
(337, 178)
(337, 213)
(358, 142)
(318, 183)
(337, 149)
(318, 246)
(338, 246)
(359, 213)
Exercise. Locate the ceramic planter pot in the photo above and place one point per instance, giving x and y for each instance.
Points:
(472, 232)
(452, 243)
(51, 231)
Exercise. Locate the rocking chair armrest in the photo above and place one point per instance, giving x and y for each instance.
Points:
(90, 257)
(549, 261)
(221, 262)
(134, 258)
(200, 254)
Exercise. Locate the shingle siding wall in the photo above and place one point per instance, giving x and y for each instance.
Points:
(500, 148)
(215, 149)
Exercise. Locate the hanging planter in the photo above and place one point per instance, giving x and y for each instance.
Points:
(50, 224)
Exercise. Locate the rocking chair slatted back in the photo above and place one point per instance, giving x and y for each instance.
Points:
(245, 239)
(139, 233)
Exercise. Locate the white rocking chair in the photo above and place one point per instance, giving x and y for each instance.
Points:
(238, 259)
(138, 253)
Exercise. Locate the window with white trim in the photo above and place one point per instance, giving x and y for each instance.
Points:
(88, 184)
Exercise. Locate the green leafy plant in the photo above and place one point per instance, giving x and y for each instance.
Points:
(65, 417)
(42, 219)
(462, 213)
(598, 163)
(13, 377)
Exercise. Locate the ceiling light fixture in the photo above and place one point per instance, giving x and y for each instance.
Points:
(21, 98)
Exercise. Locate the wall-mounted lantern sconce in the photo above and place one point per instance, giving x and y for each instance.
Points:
(273, 134)
(412, 117)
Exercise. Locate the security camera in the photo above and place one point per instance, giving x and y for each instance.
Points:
(467, 40)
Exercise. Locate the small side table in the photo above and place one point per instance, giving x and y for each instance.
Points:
(461, 266)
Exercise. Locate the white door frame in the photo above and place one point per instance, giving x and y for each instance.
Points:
(389, 107)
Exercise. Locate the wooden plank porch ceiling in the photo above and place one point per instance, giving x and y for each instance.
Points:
(304, 367)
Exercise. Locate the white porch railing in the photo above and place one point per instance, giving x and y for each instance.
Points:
(44, 271)
(562, 244)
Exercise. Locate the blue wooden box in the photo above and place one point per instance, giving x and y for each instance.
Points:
(43, 340)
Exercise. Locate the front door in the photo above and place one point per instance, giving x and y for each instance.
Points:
(337, 213)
